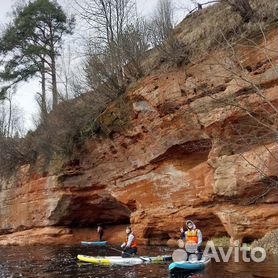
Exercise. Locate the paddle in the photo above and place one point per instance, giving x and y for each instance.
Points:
(118, 250)
(115, 249)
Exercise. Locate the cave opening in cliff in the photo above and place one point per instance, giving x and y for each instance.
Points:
(248, 239)
(89, 210)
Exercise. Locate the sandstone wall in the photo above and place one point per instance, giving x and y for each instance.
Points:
(171, 160)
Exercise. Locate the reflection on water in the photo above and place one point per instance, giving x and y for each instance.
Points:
(50, 262)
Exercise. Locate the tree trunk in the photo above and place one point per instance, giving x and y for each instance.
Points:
(53, 67)
(43, 95)
(10, 117)
(54, 83)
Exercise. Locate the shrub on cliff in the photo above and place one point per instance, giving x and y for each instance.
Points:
(59, 136)
(62, 133)
(269, 242)
(221, 241)
(14, 152)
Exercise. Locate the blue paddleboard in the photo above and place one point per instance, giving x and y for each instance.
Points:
(190, 265)
(94, 243)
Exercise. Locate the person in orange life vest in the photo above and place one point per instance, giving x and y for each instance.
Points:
(130, 245)
(193, 236)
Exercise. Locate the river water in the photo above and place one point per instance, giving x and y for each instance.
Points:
(60, 262)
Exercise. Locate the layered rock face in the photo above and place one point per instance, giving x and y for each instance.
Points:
(189, 143)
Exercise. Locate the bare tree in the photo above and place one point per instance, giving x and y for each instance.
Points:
(162, 24)
(243, 7)
(12, 150)
(78, 82)
(64, 72)
(162, 35)
(10, 116)
(107, 18)
(134, 44)
(116, 46)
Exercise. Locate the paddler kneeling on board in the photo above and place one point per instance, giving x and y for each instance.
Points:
(130, 245)
(193, 239)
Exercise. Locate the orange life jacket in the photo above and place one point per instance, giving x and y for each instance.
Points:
(134, 242)
(192, 236)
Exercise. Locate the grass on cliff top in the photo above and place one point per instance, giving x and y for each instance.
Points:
(214, 26)
(211, 26)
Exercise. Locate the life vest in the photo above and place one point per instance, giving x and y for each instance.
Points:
(192, 236)
(134, 242)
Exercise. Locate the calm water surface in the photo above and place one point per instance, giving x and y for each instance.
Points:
(59, 262)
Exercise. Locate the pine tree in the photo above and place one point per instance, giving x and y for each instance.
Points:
(30, 45)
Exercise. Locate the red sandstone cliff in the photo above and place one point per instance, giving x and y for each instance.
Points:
(171, 160)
